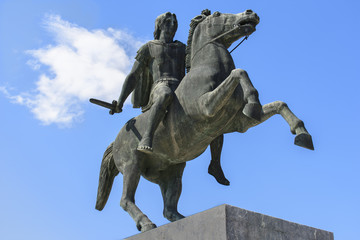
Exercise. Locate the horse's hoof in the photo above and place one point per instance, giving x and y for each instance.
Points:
(148, 227)
(304, 140)
(253, 110)
(173, 216)
(145, 149)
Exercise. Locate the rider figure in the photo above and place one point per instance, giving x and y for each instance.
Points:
(156, 73)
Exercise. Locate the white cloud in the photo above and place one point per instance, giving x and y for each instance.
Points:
(81, 64)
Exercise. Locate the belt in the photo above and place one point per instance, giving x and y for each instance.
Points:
(167, 79)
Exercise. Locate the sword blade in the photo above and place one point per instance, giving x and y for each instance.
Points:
(110, 106)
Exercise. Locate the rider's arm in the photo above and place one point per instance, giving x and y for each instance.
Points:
(129, 84)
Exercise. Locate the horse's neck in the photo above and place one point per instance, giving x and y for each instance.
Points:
(212, 54)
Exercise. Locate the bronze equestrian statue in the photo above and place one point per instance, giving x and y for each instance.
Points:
(212, 99)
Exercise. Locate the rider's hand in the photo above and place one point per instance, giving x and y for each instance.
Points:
(118, 108)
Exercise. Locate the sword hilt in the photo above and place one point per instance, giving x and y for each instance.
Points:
(112, 111)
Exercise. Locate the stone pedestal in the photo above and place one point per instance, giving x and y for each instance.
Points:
(226, 222)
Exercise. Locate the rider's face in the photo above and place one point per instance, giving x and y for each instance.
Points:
(169, 25)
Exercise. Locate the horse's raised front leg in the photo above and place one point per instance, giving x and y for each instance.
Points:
(170, 183)
(303, 138)
(252, 108)
(131, 177)
(211, 102)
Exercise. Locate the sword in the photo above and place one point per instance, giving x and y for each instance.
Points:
(111, 106)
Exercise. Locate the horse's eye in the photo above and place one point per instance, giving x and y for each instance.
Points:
(216, 14)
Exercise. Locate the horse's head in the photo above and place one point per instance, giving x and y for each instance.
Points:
(232, 26)
(223, 28)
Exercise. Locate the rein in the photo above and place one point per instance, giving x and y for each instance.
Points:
(245, 38)
(220, 36)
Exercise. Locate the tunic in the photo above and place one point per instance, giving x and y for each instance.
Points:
(164, 63)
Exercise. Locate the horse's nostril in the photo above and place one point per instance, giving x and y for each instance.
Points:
(249, 11)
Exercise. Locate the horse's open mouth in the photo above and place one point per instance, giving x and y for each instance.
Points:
(248, 22)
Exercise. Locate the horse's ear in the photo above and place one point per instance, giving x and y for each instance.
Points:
(206, 12)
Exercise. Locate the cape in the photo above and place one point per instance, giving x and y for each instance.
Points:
(141, 93)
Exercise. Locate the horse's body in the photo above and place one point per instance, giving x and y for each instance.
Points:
(209, 102)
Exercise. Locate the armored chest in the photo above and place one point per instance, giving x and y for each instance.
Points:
(167, 58)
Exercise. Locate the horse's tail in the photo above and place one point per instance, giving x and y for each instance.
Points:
(108, 172)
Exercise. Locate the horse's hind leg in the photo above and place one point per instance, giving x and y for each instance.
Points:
(131, 177)
(170, 185)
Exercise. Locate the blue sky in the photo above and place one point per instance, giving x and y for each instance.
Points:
(56, 55)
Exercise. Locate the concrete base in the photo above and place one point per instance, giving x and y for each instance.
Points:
(226, 222)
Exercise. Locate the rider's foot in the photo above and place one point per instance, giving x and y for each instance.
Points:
(216, 171)
(253, 110)
(145, 145)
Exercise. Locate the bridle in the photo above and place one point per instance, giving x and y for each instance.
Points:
(236, 27)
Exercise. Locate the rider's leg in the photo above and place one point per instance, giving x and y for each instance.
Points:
(215, 166)
(253, 108)
(162, 97)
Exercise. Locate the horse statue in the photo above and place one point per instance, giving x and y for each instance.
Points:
(210, 101)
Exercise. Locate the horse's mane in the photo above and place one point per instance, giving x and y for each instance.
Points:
(193, 24)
